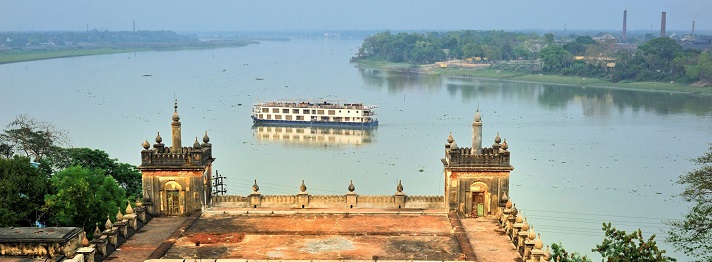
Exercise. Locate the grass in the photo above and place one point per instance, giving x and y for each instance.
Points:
(489, 73)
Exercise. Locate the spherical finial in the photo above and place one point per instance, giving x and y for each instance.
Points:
(504, 144)
(497, 139)
(158, 138)
(518, 219)
(97, 232)
(85, 241)
(538, 244)
(145, 144)
(255, 187)
(196, 144)
(351, 186)
(450, 139)
(129, 209)
(525, 225)
(206, 139)
(532, 234)
(108, 224)
(515, 211)
(119, 216)
(505, 198)
(399, 188)
(508, 204)
(176, 117)
(303, 187)
(547, 254)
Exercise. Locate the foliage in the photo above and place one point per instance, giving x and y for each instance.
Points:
(617, 246)
(83, 197)
(36, 139)
(558, 253)
(702, 68)
(22, 191)
(554, 57)
(693, 233)
(127, 176)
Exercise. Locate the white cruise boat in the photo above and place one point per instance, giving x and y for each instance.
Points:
(307, 113)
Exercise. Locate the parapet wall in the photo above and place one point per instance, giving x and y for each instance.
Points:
(329, 201)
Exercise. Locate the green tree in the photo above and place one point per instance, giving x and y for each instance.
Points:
(558, 253)
(36, 139)
(554, 57)
(618, 246)
(702, 69)
(22, 191)
(127, 176)
(549, 39)
(693, 234)
(83, 197)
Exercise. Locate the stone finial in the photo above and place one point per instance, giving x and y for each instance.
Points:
(532, 234)
(504, 144)
(303, 187)
(129, 209)
(497, 139)
(196, 144)
(538, 244)
(509, 203)
(504, 198)
(158, 138)
(85, 241)
(547, 254)
(515, 211)
(399, 188)
(145, 144)
(138, 202)
(351, 186)
(518, 219)
(146, 197)
(97, 232)
(450, 139)
(108, 225)
(206, 139)
(175, 116)
(119, 216)
(255, 187)
(525, 225)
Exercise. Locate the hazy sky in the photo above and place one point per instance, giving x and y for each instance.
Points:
(254, 15)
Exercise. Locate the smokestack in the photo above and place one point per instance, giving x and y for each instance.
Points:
(625, 16)
(134, 26)
(693, 29)
(662, 25)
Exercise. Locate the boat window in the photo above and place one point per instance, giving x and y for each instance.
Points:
(285, 110)
(278, 117)
(260, 116)
(320, 112)
(347, 119)
(332, 112)
(269, 116)
(288, 117)
(313, 112)
(295, 111)
(275, 110)
(265, 110)
(300, 117)
(305, 111)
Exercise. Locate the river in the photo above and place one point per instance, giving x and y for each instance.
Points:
(582, 156)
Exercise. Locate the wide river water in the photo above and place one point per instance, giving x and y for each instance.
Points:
(582, 156)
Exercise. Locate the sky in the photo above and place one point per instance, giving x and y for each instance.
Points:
(292, 15)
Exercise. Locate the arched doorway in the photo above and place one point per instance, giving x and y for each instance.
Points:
(480, 199)
(173, 205)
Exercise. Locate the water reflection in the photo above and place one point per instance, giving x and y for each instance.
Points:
(314, 135)
(399, 80)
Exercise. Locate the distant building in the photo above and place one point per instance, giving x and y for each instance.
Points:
(604, 37)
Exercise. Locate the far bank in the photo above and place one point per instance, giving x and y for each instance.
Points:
(485, 72)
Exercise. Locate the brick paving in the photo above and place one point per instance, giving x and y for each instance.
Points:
(489, 241)
(142, 244)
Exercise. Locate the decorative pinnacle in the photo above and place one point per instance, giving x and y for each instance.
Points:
(352, 187)
(497, 139)
(119, 216)
(399, 187)
(206, 139)
(108, 224)
(196, 144)
(303, 187)
(255, 187)
(145, 144)
(129, 209)
(175, 104)
(97, 232)
(158, 138)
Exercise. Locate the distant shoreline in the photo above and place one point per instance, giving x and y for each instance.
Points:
(24, 55)
(488, 73)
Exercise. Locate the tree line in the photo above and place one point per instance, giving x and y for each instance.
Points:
(43, 183)
(658, 59)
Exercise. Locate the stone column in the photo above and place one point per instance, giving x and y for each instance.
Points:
(255, 196)
(351, 196)
(303, 196)
(399, 196)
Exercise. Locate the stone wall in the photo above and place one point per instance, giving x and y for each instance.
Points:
(329, 201)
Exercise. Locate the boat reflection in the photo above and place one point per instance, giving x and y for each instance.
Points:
(314, 135)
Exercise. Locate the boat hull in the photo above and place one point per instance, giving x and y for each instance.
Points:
(312, 123)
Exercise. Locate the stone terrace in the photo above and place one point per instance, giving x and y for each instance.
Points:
(335, 234)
